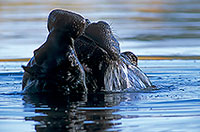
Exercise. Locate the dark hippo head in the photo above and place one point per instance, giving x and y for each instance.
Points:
(63, 26)
(97, 37)
(103, 37)
(55, 66)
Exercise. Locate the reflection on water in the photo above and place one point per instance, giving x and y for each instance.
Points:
(147, 27)
(174, 106)
(69, 113)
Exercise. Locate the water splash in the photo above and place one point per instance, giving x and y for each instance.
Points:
(122, 74)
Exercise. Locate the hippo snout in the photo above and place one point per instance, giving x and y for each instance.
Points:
(66, 21)
(102, 35)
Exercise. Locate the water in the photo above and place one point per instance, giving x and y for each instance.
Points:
(146, 27)
(174, 106)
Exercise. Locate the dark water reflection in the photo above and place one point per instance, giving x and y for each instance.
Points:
(146, 27)
(73, 113)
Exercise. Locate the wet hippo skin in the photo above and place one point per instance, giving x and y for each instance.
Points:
(79, 57)
(55, 66)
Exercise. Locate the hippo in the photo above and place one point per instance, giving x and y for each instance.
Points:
(81, 57)
(55, 66)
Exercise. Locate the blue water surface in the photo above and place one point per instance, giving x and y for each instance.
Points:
(173, 106)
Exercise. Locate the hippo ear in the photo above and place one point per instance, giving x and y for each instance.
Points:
(34, 70)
